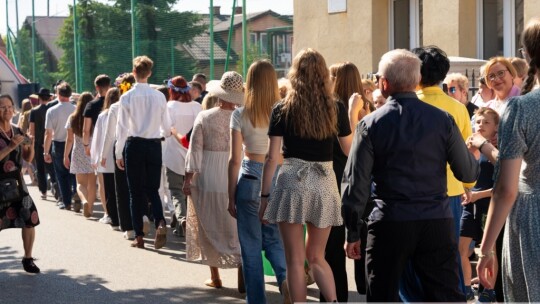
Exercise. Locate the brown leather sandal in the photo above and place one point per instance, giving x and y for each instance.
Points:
(215, 283)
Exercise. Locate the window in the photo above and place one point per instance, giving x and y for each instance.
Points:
(500, 27)
(519, 24)
(405, 23)
(263, 43)
(337, 6)
(253, 39)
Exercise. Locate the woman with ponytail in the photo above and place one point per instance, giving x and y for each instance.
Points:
(515, 199)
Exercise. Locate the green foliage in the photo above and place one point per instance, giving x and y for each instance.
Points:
(23, 50)
(106, 45)
(254, 53)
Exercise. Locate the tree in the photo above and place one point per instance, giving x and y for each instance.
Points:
(254, 53)
(23, 50)
(105, 39)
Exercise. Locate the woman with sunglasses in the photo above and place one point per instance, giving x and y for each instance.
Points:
(458, 88)
(500, 74)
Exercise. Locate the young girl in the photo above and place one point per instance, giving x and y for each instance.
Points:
(486, 124)
(79, 163)
(305, 192)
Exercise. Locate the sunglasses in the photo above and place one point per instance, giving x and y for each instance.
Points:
(377, 78)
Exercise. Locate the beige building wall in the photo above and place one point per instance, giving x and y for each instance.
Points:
(361, 34)
(451, 25)
(531, 9)
(347, 36)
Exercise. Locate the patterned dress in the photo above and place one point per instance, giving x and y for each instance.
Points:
(80, 162)
(211, 235)
(22, 213)
(519, 137)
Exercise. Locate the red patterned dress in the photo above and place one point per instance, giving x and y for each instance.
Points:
(22, 213)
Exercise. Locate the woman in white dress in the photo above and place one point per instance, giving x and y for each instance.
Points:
(211, 234)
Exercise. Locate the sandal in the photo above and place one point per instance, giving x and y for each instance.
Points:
(215, 283)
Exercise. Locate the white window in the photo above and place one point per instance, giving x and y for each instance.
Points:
(405, 24)
(253, 38)
(337, 6)
(500, 23)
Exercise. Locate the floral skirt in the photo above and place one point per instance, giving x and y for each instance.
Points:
(20, 214)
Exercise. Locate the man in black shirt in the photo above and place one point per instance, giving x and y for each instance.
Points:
(402, 149)
(37, 130)
(93, 108)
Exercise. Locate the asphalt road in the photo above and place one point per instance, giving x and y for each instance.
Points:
(84, 261)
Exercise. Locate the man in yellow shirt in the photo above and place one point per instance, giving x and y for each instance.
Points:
(435, 66)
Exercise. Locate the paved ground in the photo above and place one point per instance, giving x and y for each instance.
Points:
(84, 261)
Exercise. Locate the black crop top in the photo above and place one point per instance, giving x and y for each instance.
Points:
(306, 148)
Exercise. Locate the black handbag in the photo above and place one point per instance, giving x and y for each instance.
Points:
(11, 187)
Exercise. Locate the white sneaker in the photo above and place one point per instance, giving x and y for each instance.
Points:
(115, 228)
(146, 225)
(129, 235)
(105, 220)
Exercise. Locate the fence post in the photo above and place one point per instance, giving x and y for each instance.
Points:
(211, 39)
(33, 43)
(230, 37)
(244, 39)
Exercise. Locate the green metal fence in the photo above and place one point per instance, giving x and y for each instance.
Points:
(99, 38)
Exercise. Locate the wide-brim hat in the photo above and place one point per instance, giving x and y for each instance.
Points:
(230, 88)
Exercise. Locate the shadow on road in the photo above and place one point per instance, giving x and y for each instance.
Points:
(55, 286)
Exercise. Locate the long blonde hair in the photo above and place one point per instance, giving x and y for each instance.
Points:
(261, 93)
(309, 106)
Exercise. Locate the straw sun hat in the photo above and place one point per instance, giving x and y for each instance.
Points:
(230, 88)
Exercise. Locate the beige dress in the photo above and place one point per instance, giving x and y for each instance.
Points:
(211, 235)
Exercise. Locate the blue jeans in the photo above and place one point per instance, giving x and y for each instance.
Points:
(66, 181)
(254, 236)
(143, 170)
(410, 289)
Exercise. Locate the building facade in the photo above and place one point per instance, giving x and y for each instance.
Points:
(360, 31)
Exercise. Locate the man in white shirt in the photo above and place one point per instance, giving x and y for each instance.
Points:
(55, 135)
(143, 120)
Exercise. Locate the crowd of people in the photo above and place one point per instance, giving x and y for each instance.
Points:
(404, 174)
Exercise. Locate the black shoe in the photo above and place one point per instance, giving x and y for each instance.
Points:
(29, 266)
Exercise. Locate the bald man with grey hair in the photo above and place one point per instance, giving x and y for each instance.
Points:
(402, 150)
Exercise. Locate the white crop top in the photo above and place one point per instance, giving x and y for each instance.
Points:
(255, 139)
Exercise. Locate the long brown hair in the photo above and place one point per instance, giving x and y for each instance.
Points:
(348, 81)
(309, 105)
(112, 96)
(261, 93)
(77, 119)
(530, 39)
